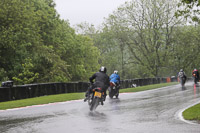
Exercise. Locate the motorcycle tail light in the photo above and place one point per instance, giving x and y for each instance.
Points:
(99, 88)
(112, 84)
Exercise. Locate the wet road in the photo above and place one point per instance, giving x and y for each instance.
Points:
(154, 111)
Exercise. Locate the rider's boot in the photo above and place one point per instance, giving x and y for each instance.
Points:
(86, 96)
(101, 102)
(85, 99)
(104, 97)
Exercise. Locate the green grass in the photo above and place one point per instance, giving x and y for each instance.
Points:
(147, 87)
(41, 100)
(68, 97)
(192, 113)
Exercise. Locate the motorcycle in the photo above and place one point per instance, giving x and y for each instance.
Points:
(113, 90)
(95, 98)
(195, 78)
(182, 80)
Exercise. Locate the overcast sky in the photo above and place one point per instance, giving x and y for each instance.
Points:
(91, 11)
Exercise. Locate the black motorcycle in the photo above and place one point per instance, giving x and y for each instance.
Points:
(182, 80)
(95, 98)
(113, 90)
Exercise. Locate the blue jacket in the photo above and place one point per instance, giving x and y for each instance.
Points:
(115, 78)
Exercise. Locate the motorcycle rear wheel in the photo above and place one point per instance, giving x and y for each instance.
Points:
(94, 103)
(117, 94)
(110, 95)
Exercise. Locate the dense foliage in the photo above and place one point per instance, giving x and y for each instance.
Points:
(142, 38)
(32, 33)
(190, 10)
(145, 38)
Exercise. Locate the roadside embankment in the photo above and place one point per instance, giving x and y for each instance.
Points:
(68, 97)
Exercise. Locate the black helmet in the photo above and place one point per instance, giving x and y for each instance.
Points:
(102, 69)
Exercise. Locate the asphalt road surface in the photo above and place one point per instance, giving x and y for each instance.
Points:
(153, 111)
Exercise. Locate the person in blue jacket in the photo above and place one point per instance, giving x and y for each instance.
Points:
(115, 78)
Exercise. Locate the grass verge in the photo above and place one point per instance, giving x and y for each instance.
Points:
(147, 87)
(192, 113)
(68, 97)
(41, 100)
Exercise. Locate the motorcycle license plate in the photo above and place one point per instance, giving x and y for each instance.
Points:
(97, 94)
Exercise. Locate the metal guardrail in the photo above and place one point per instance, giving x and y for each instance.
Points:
(36, 90)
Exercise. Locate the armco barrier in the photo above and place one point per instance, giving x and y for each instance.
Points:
(36, 90)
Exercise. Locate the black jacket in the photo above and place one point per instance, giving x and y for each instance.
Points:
(101, 80)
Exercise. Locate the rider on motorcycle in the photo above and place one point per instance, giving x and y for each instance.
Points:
(182, 77)
(195, 75)
(101, 80)
(115, 78)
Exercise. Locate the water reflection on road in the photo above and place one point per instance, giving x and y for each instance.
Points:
(146, 112)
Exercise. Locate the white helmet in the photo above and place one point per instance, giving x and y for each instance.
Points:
(103, 69)
(116, 72)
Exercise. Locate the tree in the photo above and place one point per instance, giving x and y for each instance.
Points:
(32, 29)
(186, 51)
(18, 32)
(104, 39)
(190, 10)
(3, 75)
(147, 27)
(116, 45)
(26, 76)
